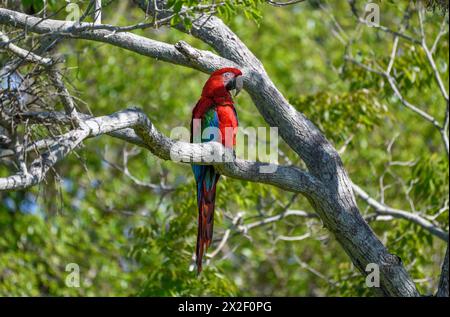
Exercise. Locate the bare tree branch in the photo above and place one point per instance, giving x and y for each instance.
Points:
(443, 30)
(397, 92)
(283, 4)
(22, 53)
(383, 28)
(282, 215)
(429, 55)
(65, 97)
(396, 213)
(38, 169)
(205, 61)
(98, 12)
(288, 178)
(442, 128)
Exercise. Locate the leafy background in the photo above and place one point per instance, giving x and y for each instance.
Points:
(130, 240)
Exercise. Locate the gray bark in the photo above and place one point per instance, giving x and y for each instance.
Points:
(443, 281)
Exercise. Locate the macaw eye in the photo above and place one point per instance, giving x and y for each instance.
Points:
(227, 76)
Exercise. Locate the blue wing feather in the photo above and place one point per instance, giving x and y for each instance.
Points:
(202, 172)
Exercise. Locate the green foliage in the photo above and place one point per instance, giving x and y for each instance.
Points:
(38, 5)
(430, 177)
(164, 245)
(35, 249)
(341, 115)
(132, 240)
(184, 10)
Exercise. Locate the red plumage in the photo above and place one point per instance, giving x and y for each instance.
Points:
(215, 109)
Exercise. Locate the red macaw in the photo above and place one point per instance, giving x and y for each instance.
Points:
(215, 109)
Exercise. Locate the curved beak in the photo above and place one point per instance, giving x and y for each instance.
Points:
(238, 85)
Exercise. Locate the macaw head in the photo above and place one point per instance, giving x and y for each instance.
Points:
(222, 81)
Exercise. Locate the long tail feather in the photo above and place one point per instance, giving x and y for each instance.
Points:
(206, 196)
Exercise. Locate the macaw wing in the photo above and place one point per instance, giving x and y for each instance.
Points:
(206, 179)
(204, 130)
